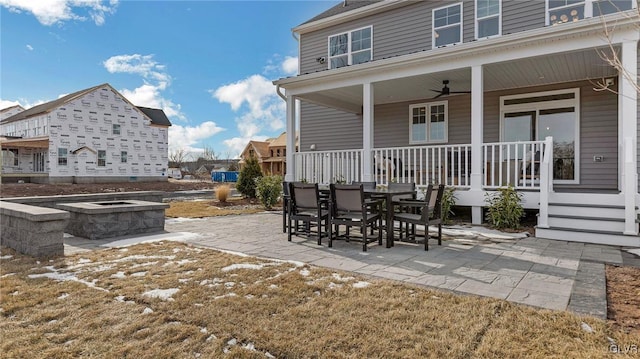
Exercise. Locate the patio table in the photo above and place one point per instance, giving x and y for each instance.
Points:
(387, 195)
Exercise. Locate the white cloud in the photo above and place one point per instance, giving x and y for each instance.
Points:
(185, 137)
(50, 12)
(22, 102)
(29, 47)
(290, 65)
(8, 103)
(156, 80)
(259, 109)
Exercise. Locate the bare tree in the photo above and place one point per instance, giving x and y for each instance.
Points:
(178, 157)
(611, 55)
(208, 154)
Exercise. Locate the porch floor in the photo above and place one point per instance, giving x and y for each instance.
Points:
(543, 273)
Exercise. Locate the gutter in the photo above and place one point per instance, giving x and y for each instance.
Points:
(619, 21)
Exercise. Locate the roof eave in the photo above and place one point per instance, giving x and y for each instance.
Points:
(350, 15)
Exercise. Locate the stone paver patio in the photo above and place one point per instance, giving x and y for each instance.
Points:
(537, 272)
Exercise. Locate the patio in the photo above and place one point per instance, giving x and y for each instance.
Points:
(537, 272)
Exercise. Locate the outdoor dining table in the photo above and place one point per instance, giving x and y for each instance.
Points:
(387, 195)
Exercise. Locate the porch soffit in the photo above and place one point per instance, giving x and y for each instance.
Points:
(34, 142)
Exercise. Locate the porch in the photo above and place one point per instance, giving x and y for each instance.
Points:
(24, 158)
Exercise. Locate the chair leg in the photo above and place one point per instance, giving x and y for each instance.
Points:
(426, 236)
(363, 229)
(289, 231)
(380, 231)
(440, 234)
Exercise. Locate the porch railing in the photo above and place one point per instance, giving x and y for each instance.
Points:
(512, 163)
(447, 164)
(326, 167)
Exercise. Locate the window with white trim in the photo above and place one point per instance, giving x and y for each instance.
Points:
(102, 158)
(488, 18)
(447, 25)
(563, 11)
(428, 122)
(351, 48)
(62, 156)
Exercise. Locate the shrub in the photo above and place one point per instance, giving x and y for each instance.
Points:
(246, 179)
(269, 190)
(448, 201)
(505, 208)
(222, 192)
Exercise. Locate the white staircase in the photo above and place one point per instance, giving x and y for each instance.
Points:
(587, 217)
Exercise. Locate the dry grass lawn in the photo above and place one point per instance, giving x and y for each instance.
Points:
(209, 208)
(160, 300)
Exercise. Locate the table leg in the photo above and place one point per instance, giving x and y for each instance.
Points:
(389, 221)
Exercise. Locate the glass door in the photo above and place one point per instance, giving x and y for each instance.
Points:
(560, 124)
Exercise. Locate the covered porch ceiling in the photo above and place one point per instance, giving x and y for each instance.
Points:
(527, 72)
(33, 142)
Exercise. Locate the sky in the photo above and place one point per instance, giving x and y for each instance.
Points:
(208, 64)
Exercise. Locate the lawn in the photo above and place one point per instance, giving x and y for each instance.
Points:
(171, 299)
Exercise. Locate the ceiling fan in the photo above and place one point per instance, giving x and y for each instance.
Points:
(446, 90)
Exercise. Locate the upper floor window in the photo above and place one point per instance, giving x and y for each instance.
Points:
(563, 11)
(447, 25)
(488, 18)
(428, 122)
(351, 48)
(123, 156)
(116, 129)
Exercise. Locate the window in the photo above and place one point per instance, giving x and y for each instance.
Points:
(488, 18)
(563, 11)
(102, 158)
(15, 156)
(62, 156)
(535, 116)
(116, 129)
(447, 25)
(428, 122)
(351, 48)
(604, 7)
(123, 156)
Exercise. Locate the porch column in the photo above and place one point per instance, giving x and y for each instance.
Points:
(367, 132)
(628, 135)
(291, 139)
(477, 111)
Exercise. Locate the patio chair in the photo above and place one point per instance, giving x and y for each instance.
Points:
(426, 212)
(396, 200)
(366, 185)
(350, 208)
(305, 205)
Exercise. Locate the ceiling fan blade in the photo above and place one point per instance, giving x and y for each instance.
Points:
(438, 95)
(459, 91)
(439, 91)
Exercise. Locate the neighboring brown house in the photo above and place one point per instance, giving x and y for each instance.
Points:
(271, 154)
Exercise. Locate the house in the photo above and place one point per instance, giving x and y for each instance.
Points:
(477, 95)
(90, 136)
(271, 154)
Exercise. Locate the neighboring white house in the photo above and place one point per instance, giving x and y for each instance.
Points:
(477, 95)
(90, 136)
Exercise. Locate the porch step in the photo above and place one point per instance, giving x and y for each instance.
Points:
(606, 224)
(588, 236)
(586, 210)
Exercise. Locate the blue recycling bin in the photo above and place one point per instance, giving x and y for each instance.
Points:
(226, 176)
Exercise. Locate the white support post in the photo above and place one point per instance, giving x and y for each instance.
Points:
(628, 105)
(367, 132)
(477, 111)
(546, 182)
(291, 139)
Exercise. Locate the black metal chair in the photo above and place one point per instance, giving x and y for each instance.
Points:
(305, 205)
(350, 208)
(426, 212)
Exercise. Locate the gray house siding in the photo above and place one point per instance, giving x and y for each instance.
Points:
(522, 15)
(408, 29)
(329, 129)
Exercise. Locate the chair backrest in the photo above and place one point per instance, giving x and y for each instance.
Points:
(347, 197)
(402, 187)
(285, 188)
(304, 195)
(366, 185)
(434, 198)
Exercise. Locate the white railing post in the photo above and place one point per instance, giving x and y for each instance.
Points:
(477, 122)
(291, 139)
(630, 180)
(546, 182)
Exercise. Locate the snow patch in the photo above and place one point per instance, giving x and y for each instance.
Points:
(163, 294)
(118, 275)
(138, 274)
(147, 310)
(8, 256)
(63, 295)
(361, 284)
